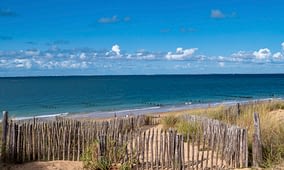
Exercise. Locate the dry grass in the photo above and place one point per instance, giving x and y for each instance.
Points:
(271, 123)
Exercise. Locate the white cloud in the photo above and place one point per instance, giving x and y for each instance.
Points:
(221, 64)
(22, 63)
(4, 63)
(48, 55)
(216, 13)
(179, 50)
(282, 45)
(113, 19)
(221, 58)
(242, 54)
(32, 52)
(83, 56)
(116, 49)
(181, 54)
(147, 57)
(72, 64)
(106, 20)
(277, 55)
(263, 53)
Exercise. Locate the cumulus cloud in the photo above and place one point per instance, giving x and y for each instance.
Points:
(263, 53)
(116, 49)
(282, 45)
(277, 55)
(23, 63)
(216, 13)
(241, 54)
(82, 56)
(114, 53)
(145, 56)
(180, 54)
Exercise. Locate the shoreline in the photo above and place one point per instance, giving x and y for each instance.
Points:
(142, 111)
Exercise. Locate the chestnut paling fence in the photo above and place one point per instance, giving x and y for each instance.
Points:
(132, 140)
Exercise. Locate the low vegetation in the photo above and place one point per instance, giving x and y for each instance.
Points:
(271, 124)
(92, 160)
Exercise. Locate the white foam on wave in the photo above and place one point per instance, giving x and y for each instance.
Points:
(140, 109)
(41, 116)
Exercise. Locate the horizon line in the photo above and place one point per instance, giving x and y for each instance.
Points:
(114, 75)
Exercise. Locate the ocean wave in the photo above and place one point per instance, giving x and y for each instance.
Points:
(139, 109)
(41, 116)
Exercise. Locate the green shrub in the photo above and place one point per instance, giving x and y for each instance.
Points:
(103, 164)
(93, 161)
(126, 166)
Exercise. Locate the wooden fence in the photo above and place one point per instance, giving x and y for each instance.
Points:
(127, 140)
(230, 140)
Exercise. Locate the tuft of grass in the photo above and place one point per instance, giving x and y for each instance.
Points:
(170, 121)
(93, 161)
(192, 128)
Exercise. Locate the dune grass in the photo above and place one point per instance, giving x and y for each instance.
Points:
(271, 124)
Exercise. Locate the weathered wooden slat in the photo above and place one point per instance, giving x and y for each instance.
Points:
(19, 131)
(157, 149)
(198, 149)
(207, 150)
(5, 126)
(213, 149)
(192, 150)
(33, 141)
(79, 143)
(257, 145)
(142, 144)
(162, 155)
(152, 149)
(174, 149)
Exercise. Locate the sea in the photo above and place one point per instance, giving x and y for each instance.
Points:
(103, 96)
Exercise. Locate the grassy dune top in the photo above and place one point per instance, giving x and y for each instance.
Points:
(271, 123)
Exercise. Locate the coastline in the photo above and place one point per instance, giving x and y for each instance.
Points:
(142, 111)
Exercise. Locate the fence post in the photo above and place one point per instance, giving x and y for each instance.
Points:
(238, 109)
(4, 135)
(256, 146)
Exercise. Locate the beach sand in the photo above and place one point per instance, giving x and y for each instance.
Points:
(50, 165)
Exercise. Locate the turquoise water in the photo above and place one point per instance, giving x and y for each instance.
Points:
(31, 96)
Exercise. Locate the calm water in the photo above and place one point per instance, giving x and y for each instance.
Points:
(49, 95)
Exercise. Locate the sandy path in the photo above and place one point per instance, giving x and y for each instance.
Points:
(51, 165)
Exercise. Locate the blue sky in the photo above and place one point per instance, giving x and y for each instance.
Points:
(72, 37)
